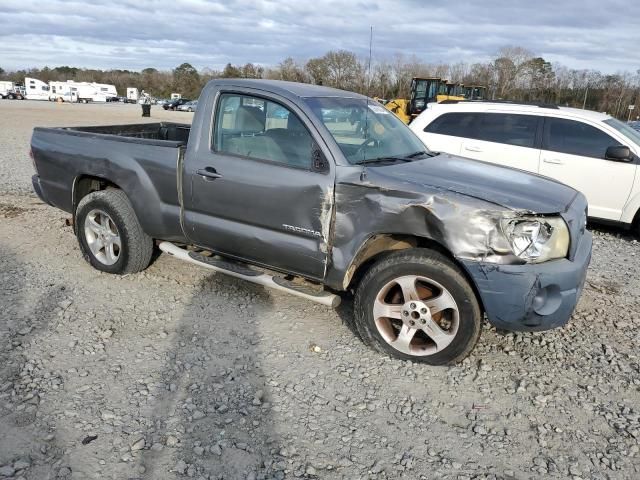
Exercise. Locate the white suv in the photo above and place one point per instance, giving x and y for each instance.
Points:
(592, 152)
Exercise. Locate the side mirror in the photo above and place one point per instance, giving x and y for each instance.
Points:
(318, 161)
(618, 153)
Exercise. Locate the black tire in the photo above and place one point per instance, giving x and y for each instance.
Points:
(422, 263)
(136, 246)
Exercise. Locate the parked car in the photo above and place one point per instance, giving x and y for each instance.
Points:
(330, 115)
(189, 106)
(174, 104)
(279, 113)
(592, 152)
(635, 124)
(162, 101)
(427, 242)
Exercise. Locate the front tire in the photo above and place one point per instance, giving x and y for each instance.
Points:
(110, 236)
(417, 305)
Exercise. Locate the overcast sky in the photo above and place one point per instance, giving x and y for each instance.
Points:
(135, 34)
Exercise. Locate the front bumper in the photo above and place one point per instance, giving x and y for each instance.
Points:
(532, 297)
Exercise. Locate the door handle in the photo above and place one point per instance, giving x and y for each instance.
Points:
(554, 161)
(472, 149)
(208, 173)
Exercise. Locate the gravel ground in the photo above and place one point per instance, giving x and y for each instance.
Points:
(177, 372)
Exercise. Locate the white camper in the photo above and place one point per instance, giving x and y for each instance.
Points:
(36, 89)
(132, 95)
(105, 92)
(62, 91)
(175, 96)
(86, 92)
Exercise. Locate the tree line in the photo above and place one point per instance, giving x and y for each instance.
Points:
(513, 74)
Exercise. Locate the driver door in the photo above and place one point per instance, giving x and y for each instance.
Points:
(259, 188)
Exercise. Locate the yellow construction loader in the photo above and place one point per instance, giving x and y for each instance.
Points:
(475, 92)
(424, 91)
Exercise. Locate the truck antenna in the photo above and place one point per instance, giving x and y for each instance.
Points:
(366, 112)
(369, 65)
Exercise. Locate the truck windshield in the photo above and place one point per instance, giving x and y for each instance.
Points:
(366, 131)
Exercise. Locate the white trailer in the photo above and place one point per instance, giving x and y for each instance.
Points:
(62, 91)
(132, 95)
(106, 91)
(36, 89)
(85, 92)
(175, 96)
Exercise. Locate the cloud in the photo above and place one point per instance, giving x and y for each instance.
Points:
(145, 33)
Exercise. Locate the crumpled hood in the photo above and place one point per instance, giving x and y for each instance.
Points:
(504, 186)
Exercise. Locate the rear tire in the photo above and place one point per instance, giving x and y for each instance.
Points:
(110, 236)
(432, 313)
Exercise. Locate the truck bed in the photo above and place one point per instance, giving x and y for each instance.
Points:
(177, 133)
(141, 159)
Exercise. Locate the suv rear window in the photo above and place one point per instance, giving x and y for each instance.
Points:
(506, 128)
(456, 124)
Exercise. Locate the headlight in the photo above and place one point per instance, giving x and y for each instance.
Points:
(537, 239)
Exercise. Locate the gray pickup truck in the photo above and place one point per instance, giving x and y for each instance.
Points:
(323, 193)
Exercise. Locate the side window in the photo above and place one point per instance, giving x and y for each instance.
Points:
(257, 128)
(508, 128)
(455, 124)
(575, 138)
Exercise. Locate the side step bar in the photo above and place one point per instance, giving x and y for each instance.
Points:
(247, 273)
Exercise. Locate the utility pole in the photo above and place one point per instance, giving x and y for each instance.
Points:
(584, 103)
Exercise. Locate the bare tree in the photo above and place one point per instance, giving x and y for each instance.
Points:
(515, 74)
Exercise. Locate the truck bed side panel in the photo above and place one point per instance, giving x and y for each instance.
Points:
(146, 172)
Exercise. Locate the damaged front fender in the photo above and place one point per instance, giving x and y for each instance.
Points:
(366, 209)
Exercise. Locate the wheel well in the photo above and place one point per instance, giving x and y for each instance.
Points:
(378, 246)
(635, 223)
(85, 184)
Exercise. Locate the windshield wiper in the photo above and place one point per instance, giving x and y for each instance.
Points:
(400, 158)
(421, 152)
(382, 159)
